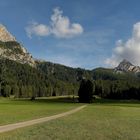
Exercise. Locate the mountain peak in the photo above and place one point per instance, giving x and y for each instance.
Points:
(11, 49)
(5, 35)
(125, 62)
(126, 66)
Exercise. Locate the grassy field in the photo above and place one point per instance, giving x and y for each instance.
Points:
(102, 120)
(12, 110)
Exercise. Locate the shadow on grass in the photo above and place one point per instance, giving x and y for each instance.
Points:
(57, 100)
(67, 99)
(70, 99)
(47, 100)
(128, 103)
(115, 101)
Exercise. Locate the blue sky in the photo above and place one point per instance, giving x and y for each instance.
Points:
(82, 33)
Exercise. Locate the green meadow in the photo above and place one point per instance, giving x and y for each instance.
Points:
(17, 110)
(102, 120)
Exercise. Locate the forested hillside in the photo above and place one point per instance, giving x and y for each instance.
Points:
(109, 84)
(49, 79)
(22, 80)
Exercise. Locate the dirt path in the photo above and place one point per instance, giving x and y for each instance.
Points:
(14, 126)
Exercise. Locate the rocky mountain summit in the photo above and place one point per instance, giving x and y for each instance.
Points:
(126, 66)
(13, 50)
(5, 36)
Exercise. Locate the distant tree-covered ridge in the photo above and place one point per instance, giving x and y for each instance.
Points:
(108, 83)
(22, 80)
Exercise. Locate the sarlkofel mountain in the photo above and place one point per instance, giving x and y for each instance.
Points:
(23, 76)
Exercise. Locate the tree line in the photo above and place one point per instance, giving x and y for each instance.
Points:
(21, 80)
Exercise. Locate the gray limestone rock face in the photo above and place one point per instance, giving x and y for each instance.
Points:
(11, 49)
(5, 36)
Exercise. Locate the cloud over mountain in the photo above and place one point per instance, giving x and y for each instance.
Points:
(129, 50)
(60, 26)
(37, 29)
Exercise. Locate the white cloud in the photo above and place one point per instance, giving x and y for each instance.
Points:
(129, 50)
(60, 26)
(37, 29)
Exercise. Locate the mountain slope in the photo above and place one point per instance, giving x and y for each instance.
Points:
(61, 72)
(12, 50)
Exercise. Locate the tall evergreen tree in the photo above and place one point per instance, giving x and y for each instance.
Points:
(85, 92)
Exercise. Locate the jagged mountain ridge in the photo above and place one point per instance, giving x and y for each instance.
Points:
(13, 50)
(126, 66)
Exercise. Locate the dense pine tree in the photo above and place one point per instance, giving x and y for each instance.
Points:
(85, 92)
